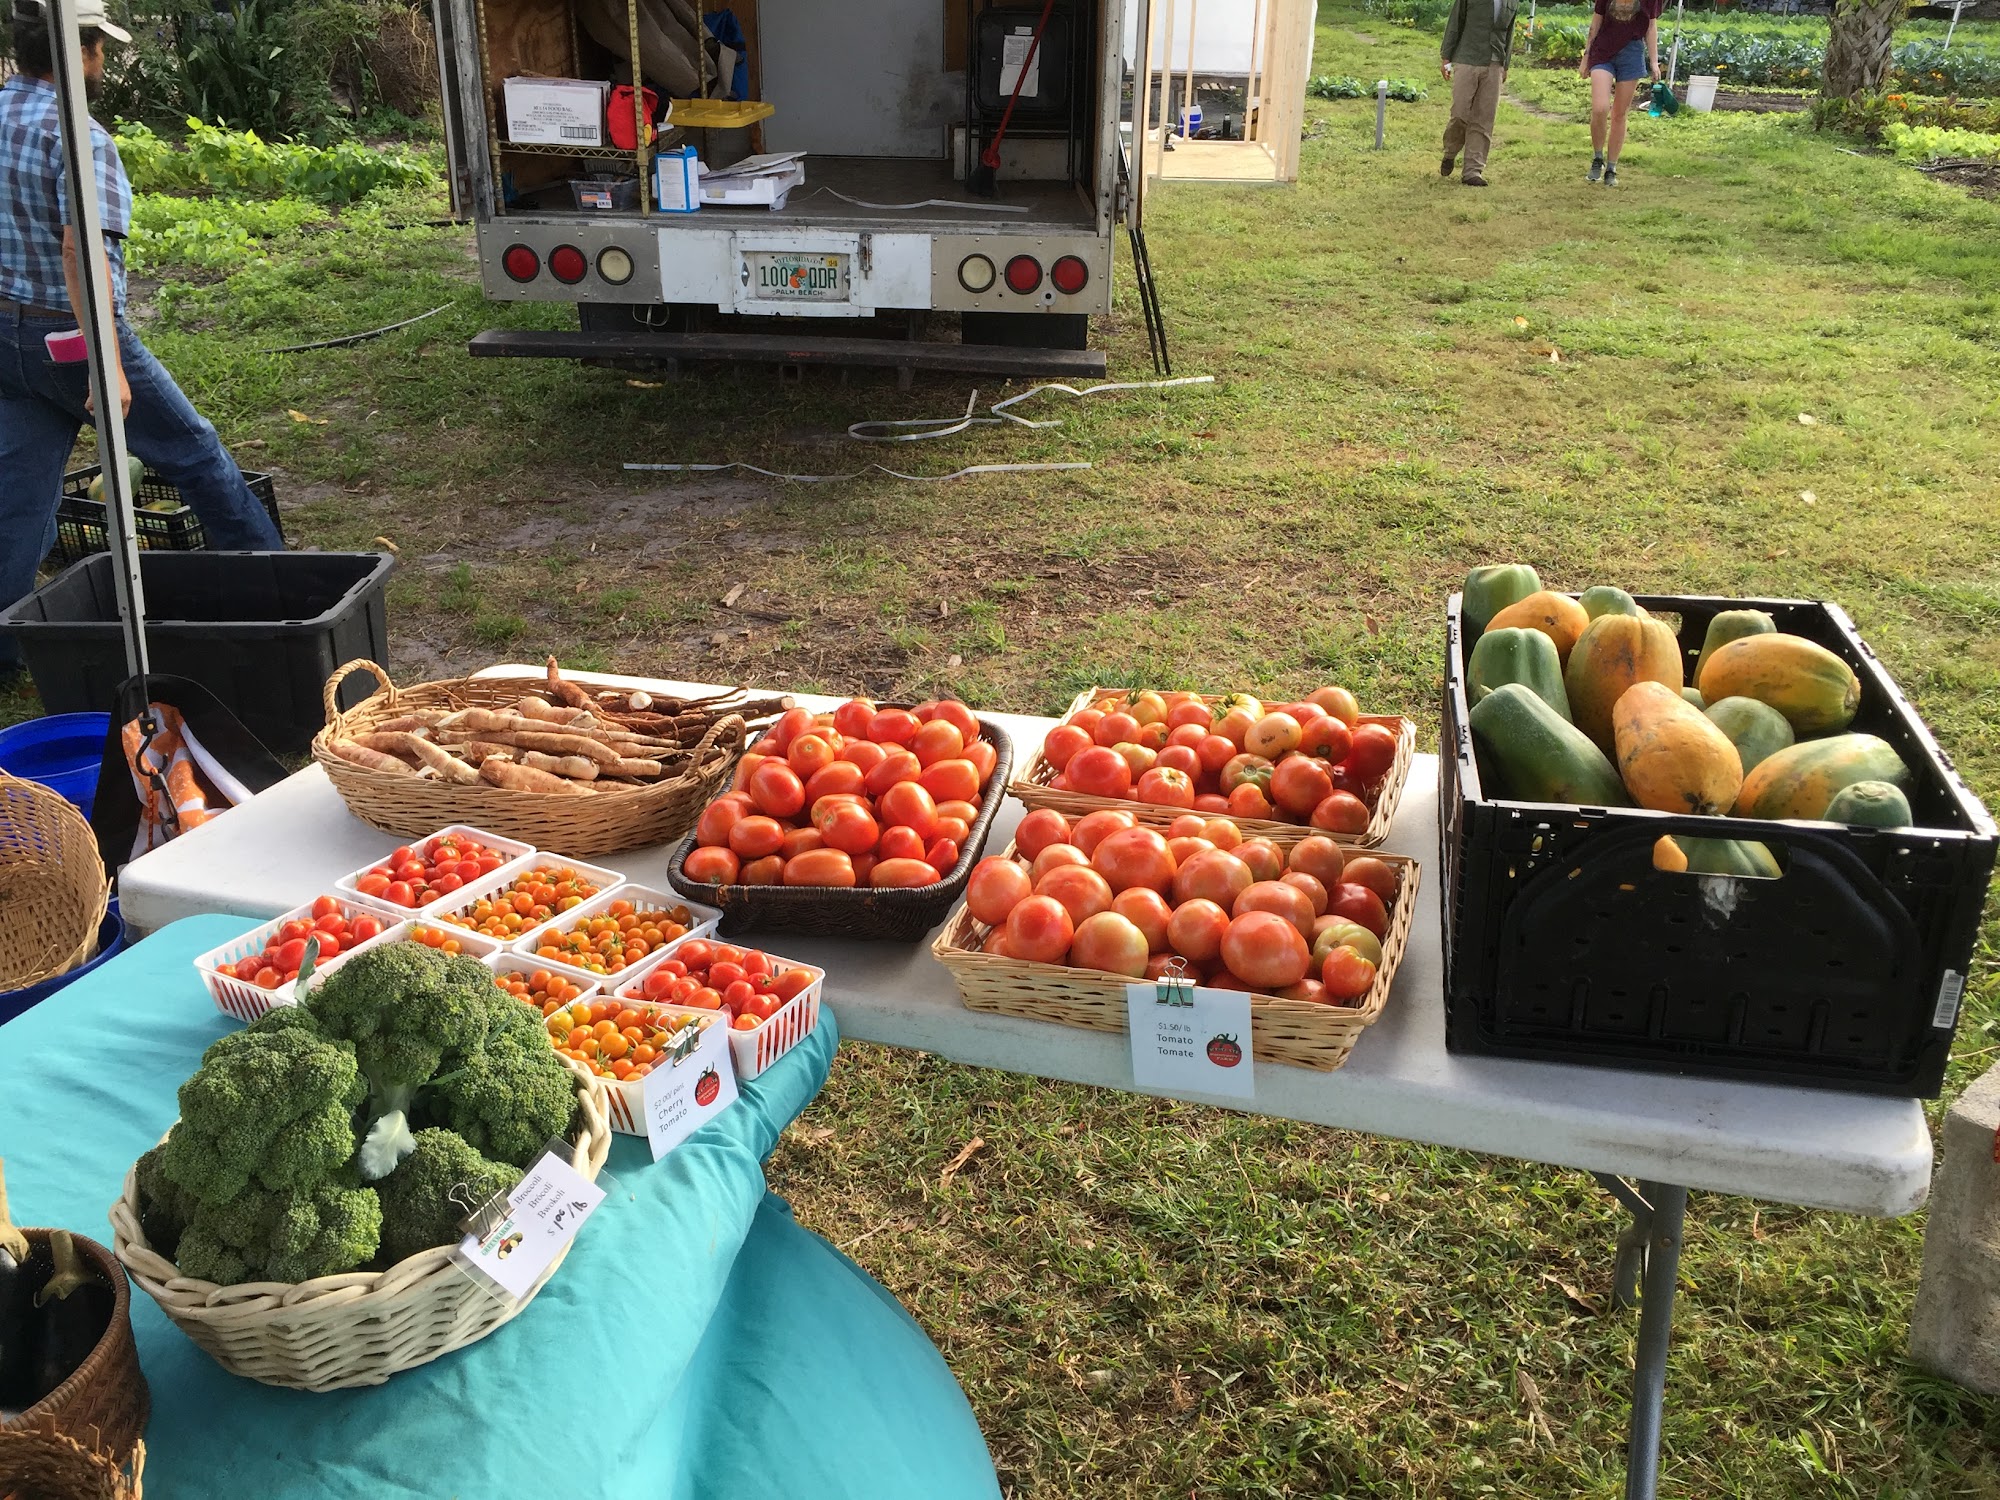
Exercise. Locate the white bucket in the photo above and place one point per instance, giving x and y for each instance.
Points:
(1701, 91)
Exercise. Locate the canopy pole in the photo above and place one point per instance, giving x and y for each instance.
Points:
(1674, 59)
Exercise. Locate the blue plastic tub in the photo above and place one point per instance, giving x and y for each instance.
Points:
(62, 752)
(110, 942)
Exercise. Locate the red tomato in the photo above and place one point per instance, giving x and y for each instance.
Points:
(268, 979)
(1249, 801)
(1162, 787)
(900, 843)
(1161, 965)
(1265, 950)
(847, 826)
(1100, 772)
(1326, 738)
(996, 886)
(1341, 812)
(1298, 785)
(291, 954)
(908, 805)
(1082, 891)
(896, 767)
(1373, 753)
(839, 777)
(956, 713)
(1347, 976)
(294, 929)
(953, 780)
(853, 717)
(1215, 752)
(1092, 829)
(446, 884)
(720, 816)
(1314, 891)
(1209, 802)
(902, 872)
(807, 754)
(820, 867)
(709, 865)
(799, 840)
(791, 984)
(1039, 829)
(1186, 848)
(756, 836)
(1308, 989)
(1360, 905)
(1180, 758)
(777, 790)
(1146, 910)
(938, 740)
(326, 906)
(893, 726)
(1195, 930)
(954, 829)
(1087, 719)
(966, 812)
(399, 892)
(1116, 729)
(747, 767)
(1218, 876)
(1286, 901)
(1129, 857)
(1265, 859)
(372, 884)
(942, 855)
(984, 758)
(1187, 736)
(770, 870)
(1191, 712)
(1319, 857)
(1054, 857)
(1062, 744)
(1039, 930)
(363, 928)
(1365, 869)
(863, 754)
(738, 994)
(1110, 943)
(1186, 826)
(331, 921)
(791, 724)
(697, 954)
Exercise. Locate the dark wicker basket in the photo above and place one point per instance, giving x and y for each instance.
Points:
(105, 1402)
(897, 915)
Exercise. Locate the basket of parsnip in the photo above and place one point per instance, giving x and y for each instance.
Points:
(533, 756)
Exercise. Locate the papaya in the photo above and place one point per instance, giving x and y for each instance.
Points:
(1668, 854)
(1530, 753)
(1614, 652)
(1731, 625)
(1757, 730)
(1557, 616)
(1801, 780)
(1745, 858)
(1878, 804)
(1814, 689)
(1693, 695)
(1605, 600)
(1524, 656)
(1672, 758)
(1491, 589)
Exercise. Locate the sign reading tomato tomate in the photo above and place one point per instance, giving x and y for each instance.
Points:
(1224, 1051)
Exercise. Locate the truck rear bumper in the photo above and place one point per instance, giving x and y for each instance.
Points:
(903, 355)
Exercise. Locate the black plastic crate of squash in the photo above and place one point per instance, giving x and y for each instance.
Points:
(81, 526)
(1563, 943)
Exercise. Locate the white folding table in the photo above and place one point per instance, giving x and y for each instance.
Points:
(1648, 1138)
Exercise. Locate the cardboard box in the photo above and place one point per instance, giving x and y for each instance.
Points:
(677, 181)
(555, 111)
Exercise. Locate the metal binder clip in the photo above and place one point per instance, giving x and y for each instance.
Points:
(685, 1047)
(1175, 986)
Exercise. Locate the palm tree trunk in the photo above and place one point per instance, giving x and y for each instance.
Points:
(1858, 52)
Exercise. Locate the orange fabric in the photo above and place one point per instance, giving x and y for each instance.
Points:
(168, 758)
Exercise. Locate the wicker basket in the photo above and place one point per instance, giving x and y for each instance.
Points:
(894, 915)
(354, 1329)
(600, 824)
(1281, 1031)
(52, 885)
(105, 1403)
(1033, 790)
(39, 1463)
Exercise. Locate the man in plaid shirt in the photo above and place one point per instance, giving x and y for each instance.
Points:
(44, 404)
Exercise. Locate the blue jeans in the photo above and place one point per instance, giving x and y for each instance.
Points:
(1630, 62)
(41, 412)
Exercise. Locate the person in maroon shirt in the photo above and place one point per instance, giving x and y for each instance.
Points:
(1624, 44)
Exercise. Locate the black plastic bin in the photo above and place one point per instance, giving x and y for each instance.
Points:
(1564, 944)
(81, 527)
(261, 630)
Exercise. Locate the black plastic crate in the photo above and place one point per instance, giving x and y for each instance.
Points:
(1563, 943)
(82, 528)
(261, 630)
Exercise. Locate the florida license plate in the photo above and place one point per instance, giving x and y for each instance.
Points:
(791, 276)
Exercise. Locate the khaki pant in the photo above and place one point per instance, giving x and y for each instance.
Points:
(1475, 100)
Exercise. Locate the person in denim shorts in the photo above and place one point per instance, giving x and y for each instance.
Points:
(43, 403)
(1624, 46)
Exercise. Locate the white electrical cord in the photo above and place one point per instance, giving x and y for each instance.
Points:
(937, 427)
(858, 473)
(986, 208)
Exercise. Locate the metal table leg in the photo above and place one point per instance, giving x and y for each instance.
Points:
(1650, 1253)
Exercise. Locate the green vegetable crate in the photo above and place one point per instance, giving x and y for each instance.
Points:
(163, 521)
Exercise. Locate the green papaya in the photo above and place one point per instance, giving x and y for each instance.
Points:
(1757, 730)
(1605, 600)
(1530, 753)
(1878, 804)
(1731, 625)
(1693, 695)
(1801, 782)
(1741, 857)
(1491, 589)
(1525, 656)
(135, 474)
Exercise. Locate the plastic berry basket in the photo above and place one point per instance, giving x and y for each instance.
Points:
(471, 944)
(505, 962)
(467, 896)
(517, 856)
(642, 897)
(246, 1001)
(626, 1097)
(756, 1049)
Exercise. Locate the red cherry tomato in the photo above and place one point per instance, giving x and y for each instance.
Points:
(893, 726)
(853, 717)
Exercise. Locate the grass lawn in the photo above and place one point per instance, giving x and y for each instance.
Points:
(1144, 1299)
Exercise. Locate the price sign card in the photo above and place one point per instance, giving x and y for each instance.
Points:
(694, 1087)
(1186, 1039)
(543, 1214)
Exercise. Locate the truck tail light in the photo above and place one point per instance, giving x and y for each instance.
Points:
(567, 265)
(976, 274)
(615, 266)
(1024, 274)
(1070, 275)
(521, 263)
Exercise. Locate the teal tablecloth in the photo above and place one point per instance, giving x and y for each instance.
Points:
(696, 1343)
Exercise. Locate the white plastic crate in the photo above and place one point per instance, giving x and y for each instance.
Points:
(642, 897)
(466, 897)
(756, 1049)
(246, 1001)
(516, 852)
(626, 1097)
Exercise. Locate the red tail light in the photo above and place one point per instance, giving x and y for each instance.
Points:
(566, 264)
(1024, 274)
(521, 263)
(1070, 275)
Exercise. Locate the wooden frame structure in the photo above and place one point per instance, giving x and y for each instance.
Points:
(1281, 44)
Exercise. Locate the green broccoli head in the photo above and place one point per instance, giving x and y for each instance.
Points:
(289, 1236)
(437, 1186)
(163, 1208)
(509, 1098)
(505, 1014)
(404, 1006)
(274, 1107)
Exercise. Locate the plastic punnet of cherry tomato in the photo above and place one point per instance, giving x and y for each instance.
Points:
(863, 796)
(444, 941)
(417, 876)
(1199, 901)
(284, 950)
(528, 900)
(1312, 762)
(616, 938)
(750, 985)
(618, 1038)
(547, 992)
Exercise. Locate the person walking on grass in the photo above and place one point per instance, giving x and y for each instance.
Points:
(1624, 44)
(43, 404)
(1478, 39)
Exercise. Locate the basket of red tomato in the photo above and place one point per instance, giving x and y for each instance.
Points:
(771, 1004)
(861, 823)
(1316, 764)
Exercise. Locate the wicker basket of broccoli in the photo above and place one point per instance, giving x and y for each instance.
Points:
(299, 1219)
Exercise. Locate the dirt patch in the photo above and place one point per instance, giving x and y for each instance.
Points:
(1981, 178)
(1535, 109)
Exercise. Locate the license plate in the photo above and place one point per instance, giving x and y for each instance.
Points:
(789, 276)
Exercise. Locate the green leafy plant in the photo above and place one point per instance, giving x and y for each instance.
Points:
(1928, 142)
(243, 164)
(1329, 86)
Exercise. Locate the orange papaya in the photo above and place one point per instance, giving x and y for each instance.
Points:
(1814, 689)
(1557, 616)
(1671, 757)
(1615, 651)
